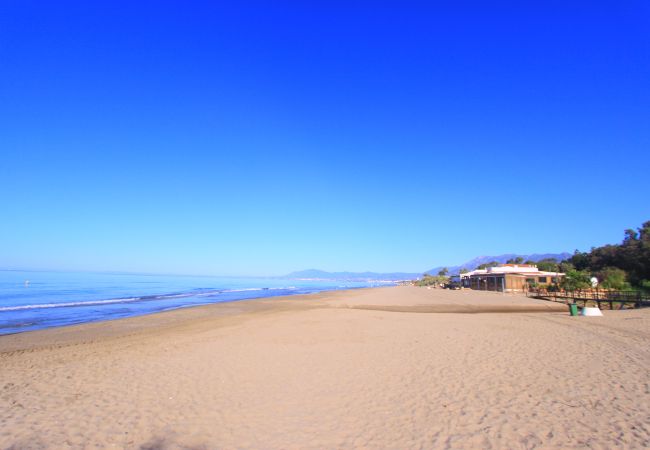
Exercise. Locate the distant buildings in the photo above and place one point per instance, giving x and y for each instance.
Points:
(508, 278)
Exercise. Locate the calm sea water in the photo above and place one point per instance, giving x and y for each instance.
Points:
(35, 300)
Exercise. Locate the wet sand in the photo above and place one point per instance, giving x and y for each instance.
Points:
(401, 367)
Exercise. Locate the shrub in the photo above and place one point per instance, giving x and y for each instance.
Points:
(576, 279)
(613, 278)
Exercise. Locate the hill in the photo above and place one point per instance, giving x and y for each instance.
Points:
(474, 263)
(314, 274)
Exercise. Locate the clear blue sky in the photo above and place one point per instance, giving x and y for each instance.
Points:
(260, 139)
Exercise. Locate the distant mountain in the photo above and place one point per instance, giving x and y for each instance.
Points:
(314, 274)
(474, 263)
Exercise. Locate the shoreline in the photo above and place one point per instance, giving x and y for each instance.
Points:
(182, 307)
(160, 320)
(222, 312)
(55, 299)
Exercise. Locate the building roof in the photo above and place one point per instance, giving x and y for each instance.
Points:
(511, 269)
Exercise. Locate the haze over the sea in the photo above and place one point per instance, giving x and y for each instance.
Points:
(263, 139)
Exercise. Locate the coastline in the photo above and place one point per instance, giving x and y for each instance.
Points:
(36, 301)
(337, 369)
(141, 324)
(221, 313)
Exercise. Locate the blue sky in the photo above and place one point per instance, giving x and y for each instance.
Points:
(263, 138)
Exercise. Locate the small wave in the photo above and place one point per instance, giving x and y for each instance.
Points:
(111, 301)
(143, 298)
(243, 290)
(17, 325)
(291, 288)
(68, 304)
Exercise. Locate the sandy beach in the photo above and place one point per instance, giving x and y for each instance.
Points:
(399, 367)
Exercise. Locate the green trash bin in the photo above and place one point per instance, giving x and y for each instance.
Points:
(573, 309)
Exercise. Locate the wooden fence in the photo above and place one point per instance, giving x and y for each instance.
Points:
(595, 297)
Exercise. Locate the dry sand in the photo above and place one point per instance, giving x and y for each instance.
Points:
(396, 368)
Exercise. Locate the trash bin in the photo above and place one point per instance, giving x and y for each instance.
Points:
(573, 309)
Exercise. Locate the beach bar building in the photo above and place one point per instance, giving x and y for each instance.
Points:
(509, 278)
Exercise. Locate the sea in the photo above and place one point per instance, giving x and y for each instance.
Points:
(36, 300)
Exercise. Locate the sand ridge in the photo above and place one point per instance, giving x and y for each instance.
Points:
(317, 372)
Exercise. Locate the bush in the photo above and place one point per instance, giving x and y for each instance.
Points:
(548, 265)
(645, 285)
(430, 280)
(553, 288)
(576, 279)
(613, 278)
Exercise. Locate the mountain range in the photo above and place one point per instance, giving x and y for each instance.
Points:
(315, 274)
(474, 263)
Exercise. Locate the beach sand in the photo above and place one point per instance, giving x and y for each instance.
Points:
(400, 367)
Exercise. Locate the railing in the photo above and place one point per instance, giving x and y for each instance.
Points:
(596, 297)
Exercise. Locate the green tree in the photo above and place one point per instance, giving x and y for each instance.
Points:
(431, 280)
(488, 265)
(565, 266)
(443, 272)
(631, 256)
(576, 279)
(426, 280)
(613, 278)
(580, 260)
(548, 265)
(516, 260)
(645, 285)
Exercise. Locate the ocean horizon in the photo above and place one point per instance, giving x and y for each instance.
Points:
(33, 300)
